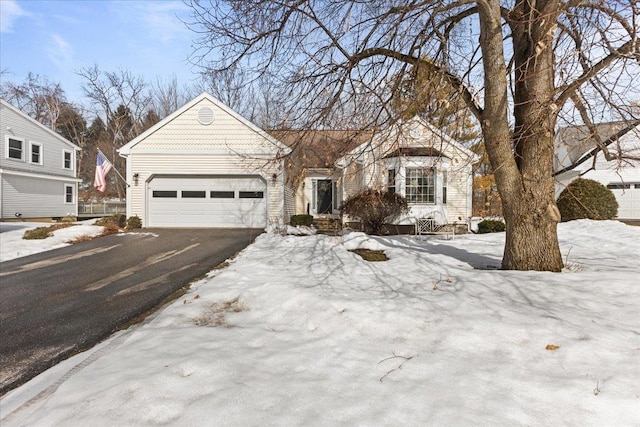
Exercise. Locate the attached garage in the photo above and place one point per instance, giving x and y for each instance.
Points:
(206, 166)
(207, 201)
(628, 197)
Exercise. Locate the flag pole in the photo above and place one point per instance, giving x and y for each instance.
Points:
(115, 169)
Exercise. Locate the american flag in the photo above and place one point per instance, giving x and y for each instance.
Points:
(103, 166)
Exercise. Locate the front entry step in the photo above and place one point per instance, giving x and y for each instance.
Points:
(327, 225)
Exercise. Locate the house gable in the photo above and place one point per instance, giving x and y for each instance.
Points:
(35, 149)
(207, 126)
(30, 122)
(416, 160)
(414, 137)
(205, 166)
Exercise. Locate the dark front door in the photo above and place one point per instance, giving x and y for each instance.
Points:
(324, 196)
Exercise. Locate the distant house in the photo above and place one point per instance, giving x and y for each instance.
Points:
(573, 146)
(206, 166)
(412, 158)
(38, 168)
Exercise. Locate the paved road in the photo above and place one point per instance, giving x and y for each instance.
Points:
(58, 303)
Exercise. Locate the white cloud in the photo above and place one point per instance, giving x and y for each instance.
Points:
(161, 19)
(10, 12)
(60, 52)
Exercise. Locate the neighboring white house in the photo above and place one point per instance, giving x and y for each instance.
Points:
(37, 168)
(205, 166)
(622, 177)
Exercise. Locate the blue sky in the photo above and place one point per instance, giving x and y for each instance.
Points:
(57, 38)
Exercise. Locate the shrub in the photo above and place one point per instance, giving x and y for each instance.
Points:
(37, 233)
(490, 226)
(586, 198)
(134, 222)
(119, 220)
(302, 219)
(40, 233)
(110, 228)
(374, 208)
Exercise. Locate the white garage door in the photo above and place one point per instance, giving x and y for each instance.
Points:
(238, 201)
(628, 196)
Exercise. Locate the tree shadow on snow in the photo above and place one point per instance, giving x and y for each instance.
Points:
(474, 260)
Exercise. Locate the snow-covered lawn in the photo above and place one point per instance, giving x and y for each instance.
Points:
(298, 331)
(12, 245)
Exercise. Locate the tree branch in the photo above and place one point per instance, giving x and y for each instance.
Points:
(567, 91)
(455, 81)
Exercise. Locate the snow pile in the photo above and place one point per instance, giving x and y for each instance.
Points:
(12, 245)
(300, 331)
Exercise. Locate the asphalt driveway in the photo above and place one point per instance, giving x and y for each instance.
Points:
(57, 303)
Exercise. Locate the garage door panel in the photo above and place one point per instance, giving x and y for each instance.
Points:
(628, 197)
(207, 202)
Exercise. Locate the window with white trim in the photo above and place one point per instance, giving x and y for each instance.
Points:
(15, 148)
(67, 160)
(35, 153)
(68, 194)
(420, 185)
(391, 180)
(444, 187)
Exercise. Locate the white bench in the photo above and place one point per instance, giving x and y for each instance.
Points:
(429, 226)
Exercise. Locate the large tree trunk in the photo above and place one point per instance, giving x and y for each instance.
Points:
(523, 159)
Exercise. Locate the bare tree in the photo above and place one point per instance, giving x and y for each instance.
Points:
(522, 67)
(122, 100)
(37, 97)
(108, 90)
(233, 87)
(168, 96)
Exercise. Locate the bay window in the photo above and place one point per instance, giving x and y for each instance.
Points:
(420, 185)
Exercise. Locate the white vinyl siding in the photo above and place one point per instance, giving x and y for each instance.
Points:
(458, 201)
(353, 180)
(32, 185)
(16, 125)
(225, 135)
(35, 197)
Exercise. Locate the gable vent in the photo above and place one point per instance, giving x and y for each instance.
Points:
(205, 116)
